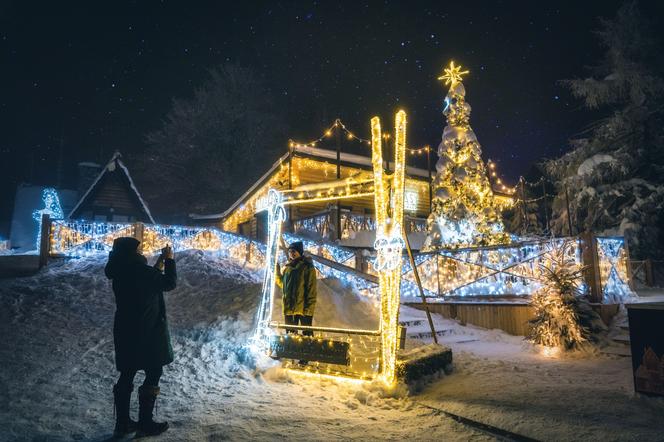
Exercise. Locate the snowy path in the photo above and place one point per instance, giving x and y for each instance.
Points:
(57, 370)
(505, 382)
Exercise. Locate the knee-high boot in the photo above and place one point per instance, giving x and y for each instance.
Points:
(147, 396)
(122, 398)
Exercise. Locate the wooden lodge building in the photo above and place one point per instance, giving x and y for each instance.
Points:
(112, 196)
(351, 222)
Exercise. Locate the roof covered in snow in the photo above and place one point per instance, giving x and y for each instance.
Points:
(115, 164)
(346, 159)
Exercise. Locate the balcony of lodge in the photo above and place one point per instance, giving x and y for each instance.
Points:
(348, 222)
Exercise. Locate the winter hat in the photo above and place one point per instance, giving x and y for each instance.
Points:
(125, 244)
(297, 246)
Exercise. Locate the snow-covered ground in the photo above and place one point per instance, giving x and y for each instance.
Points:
(56, 372)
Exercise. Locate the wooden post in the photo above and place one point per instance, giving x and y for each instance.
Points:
(290, 184)
(419, 285)
(523, 204)
(628, 265)
(591, 268)
(337, 218)
(650, 281)
(569, 215)
(429, 171)
(138, 234)
(45, 240)
(438, 272)
(335, 221)
(546, 213)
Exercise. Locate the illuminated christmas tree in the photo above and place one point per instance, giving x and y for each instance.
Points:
(463, 210)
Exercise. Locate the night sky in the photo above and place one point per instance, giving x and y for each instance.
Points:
(87, 79)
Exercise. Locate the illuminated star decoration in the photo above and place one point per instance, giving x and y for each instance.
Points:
(452, 75)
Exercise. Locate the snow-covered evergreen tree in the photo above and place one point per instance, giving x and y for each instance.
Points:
(613, 179)
(563, 316)
(463, 210)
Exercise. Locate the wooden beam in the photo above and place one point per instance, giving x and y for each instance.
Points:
(346, 269)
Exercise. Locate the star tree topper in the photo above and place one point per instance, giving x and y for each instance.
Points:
(452, 75)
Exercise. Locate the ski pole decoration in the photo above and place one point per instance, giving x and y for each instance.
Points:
(389, 240)
(276, 217)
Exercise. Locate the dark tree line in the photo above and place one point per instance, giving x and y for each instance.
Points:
(212, 146)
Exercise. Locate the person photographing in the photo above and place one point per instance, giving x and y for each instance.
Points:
(140, 331)
(299, 287)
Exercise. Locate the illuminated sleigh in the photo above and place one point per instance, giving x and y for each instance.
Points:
(355, 353)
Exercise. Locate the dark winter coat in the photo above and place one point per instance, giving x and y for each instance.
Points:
(140, 330)
(298, 283)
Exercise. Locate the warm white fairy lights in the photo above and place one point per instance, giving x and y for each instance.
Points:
(337, 125)
(389, 241)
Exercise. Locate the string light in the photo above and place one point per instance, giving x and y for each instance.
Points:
(419, 151)
(351, 136)
(338, 124)
(501, 185)
(389, 241)
(51, 208)
(276, 217)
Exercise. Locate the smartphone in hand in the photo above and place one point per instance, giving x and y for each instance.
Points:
(167, 252)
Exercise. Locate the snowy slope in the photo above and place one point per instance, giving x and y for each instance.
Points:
(56, 371)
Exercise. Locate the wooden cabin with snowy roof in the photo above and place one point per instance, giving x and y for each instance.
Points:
(112, 196)
(309, 168)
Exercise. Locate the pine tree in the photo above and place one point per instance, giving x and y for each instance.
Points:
(463, 211)
(563, 316)
(212, 145)
(613, 179)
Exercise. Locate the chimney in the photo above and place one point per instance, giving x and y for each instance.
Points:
(87, 172)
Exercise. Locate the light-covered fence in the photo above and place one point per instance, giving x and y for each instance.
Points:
(83, 238)
(511, 270)
(514, 270)
(480, 272)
